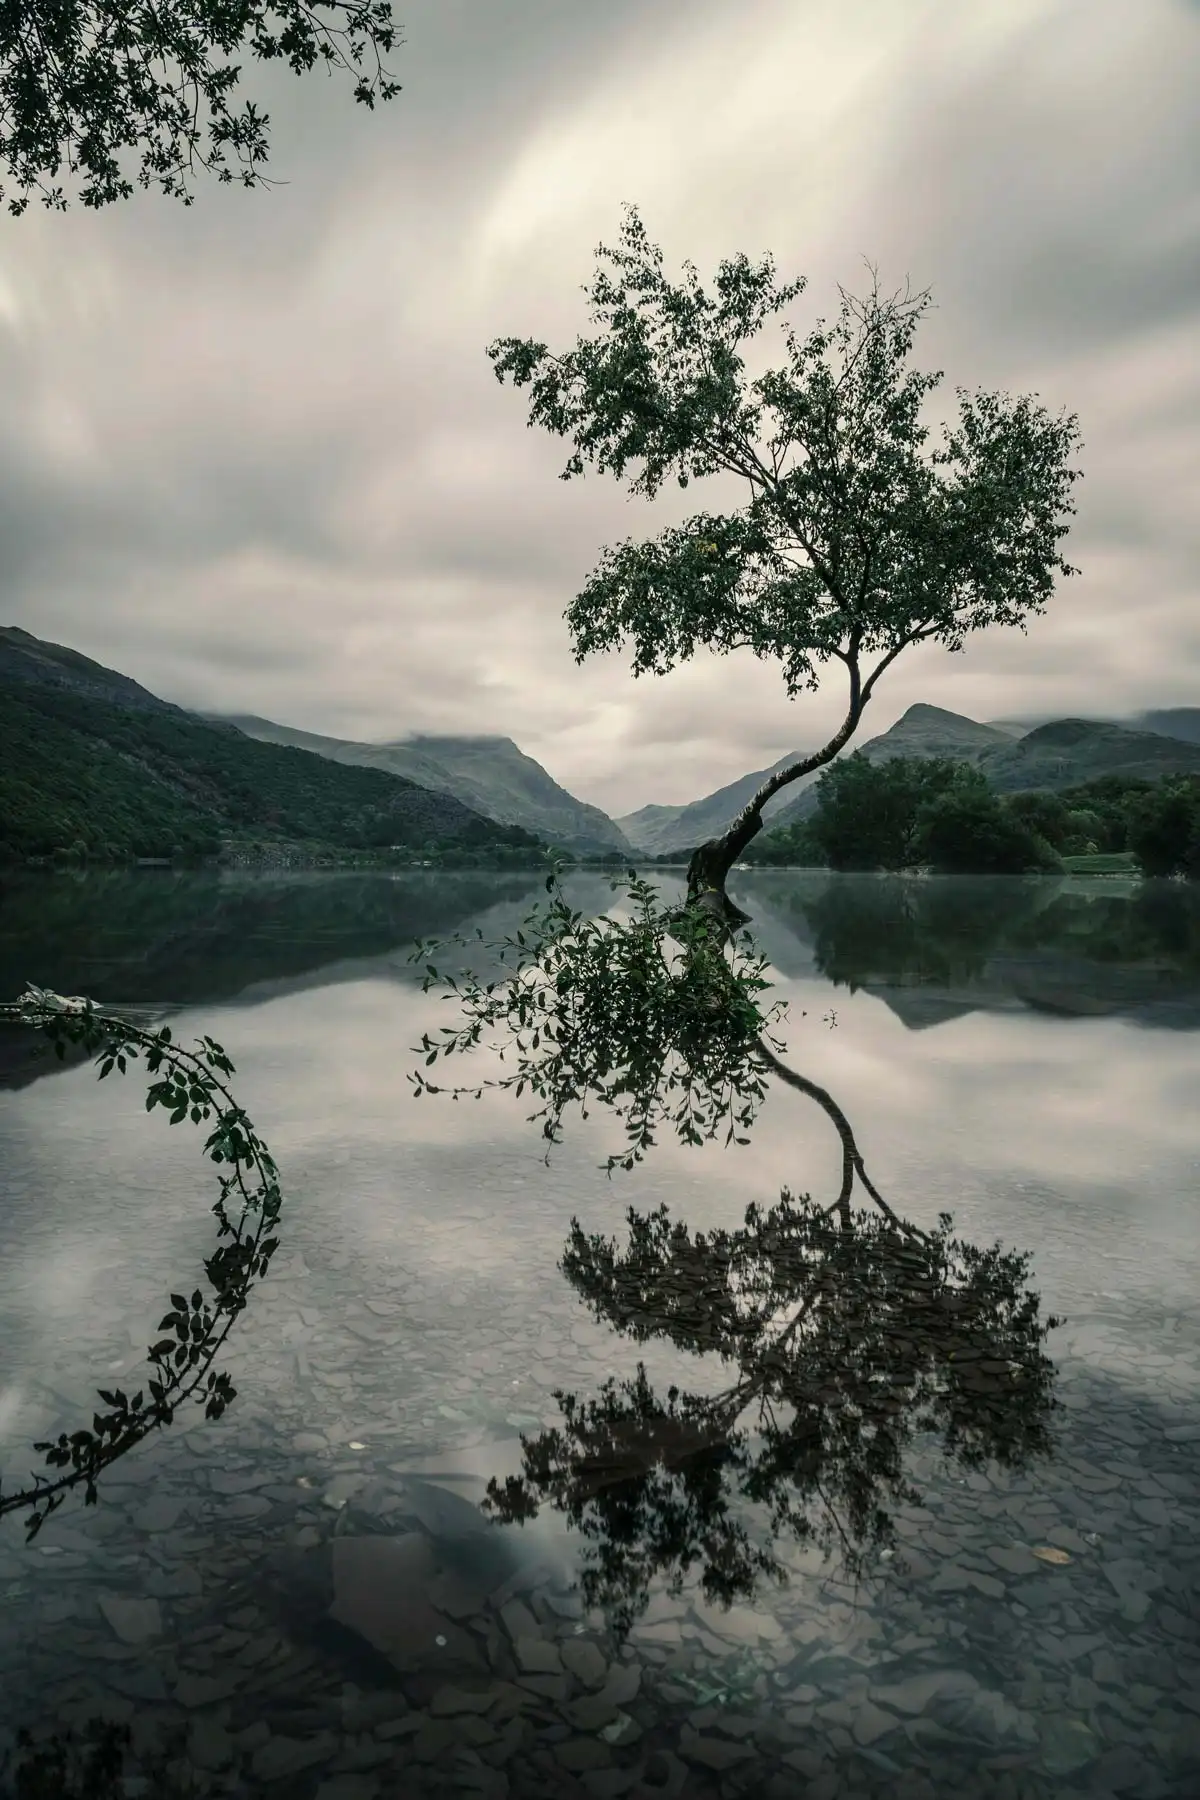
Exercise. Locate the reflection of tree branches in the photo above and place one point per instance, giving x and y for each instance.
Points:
(852, 1162)
(650, 1488)
(847, 1333)
(848, 1338)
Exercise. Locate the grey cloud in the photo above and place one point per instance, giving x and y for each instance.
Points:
(254, 453)
(1053, 188)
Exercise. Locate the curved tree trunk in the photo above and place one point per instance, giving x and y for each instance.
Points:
(710, 864)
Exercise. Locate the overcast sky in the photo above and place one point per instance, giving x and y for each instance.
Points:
(254, 454)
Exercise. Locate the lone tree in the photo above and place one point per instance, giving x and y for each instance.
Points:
(852, 547)
(81, 80)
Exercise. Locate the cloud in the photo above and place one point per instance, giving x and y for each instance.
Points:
(254, 453)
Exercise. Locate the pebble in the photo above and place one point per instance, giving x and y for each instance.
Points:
(371, 1633)
(585, 1661)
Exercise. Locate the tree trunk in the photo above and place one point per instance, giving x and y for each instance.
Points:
(710, 864)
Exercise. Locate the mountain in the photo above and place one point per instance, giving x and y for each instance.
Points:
(88, 757)
(1173, 721)
(657, 830)
(1071, 751)
(29, 661)
(932, 731)
(1170, 721)
(489, 774)
(1013, 754)
(923, 731)
(1063, 754)
(1013, 728)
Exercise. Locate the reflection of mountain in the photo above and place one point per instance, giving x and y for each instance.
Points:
(195, 937)
(192, 938)
(153, 943)
(935, 949)
(931, 949)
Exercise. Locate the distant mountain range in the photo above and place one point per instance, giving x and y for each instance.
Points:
(90, 758)
(657, 830)
(489, 774)
(83, 743)
(923, 731)
(1170, 721)
(1014, 756)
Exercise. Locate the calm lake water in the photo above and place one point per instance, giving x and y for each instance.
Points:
(310, 1586)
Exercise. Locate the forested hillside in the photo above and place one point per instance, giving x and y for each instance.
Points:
(82, 776)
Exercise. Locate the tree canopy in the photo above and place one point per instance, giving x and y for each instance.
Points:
(83, 80)
(867, 812)
(1164, 833)
(908, 811)
(853, 546)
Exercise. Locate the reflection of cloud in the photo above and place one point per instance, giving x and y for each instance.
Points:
(1065, 1134)
(1073, 1136)
(12, 1403)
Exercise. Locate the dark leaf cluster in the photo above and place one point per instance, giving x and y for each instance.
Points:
(853, 544)
(844, 1340)
(83, 81)
(604, 1010)
(182, 1362)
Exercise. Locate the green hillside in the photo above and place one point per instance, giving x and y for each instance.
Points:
(923, 731)
(1069, 753)
(1066, 753)
(488, 774)
(146, 779)
(1072, 752)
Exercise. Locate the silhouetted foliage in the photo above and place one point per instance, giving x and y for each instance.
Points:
(1164, 830)
(845, 1340)
(852, 551)
(970, 831)
(602, 1010)
(94, 1765)
(903, 811)
(85, 81)
(787, 846)
(867, 812)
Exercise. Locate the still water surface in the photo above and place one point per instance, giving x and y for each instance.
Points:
(310, 1584)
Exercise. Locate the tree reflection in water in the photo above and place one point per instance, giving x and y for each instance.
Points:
(844, 1334)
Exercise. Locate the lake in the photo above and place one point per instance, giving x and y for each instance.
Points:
(909, 1555)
